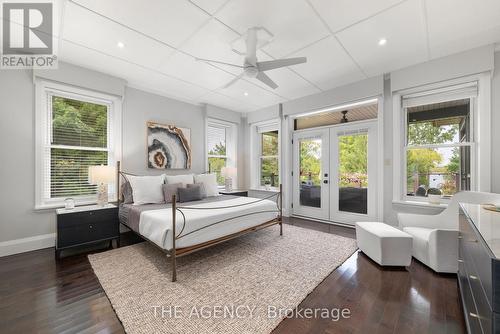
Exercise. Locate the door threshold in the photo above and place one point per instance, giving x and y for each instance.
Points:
(325, 221)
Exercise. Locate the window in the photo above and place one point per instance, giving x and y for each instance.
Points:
(217, 150)
(269, 171)
(265, 166)
(75, 131)
(221, 147)
(439, 143)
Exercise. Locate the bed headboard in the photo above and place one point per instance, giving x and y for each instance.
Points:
(119, 175)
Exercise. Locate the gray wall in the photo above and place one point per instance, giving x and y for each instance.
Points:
(17, 167)
(140, 107)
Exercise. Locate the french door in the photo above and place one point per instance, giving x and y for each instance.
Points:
(311, 173)
(335, 173)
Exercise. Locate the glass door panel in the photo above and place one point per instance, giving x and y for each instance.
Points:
(310, 172)
(353, 173)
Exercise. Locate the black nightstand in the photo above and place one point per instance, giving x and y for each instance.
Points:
(243, 193)
(85, 225)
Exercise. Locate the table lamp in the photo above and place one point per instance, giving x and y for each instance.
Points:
(228, 173)
(102, 176)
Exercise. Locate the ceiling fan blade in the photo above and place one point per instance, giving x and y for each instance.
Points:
(251, 43)
(272, 64)
(267, 80)
(238, 77)
(218, 62)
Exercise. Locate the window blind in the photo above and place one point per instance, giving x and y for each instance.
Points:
(216, 140)
(451, 93)
(267, 128)
(361, 131)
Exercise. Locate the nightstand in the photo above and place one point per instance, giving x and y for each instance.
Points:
(85, 225)
(235, 192)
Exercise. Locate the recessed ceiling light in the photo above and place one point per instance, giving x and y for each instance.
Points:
(120, 45)
(382, 41)
(245, 93)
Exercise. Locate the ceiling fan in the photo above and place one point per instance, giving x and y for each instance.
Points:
(253, 68)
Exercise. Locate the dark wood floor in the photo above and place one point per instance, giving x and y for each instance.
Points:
(41, 295)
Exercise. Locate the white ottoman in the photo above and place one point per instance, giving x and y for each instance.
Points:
(384, 244)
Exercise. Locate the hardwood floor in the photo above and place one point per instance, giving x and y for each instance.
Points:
(41, 295)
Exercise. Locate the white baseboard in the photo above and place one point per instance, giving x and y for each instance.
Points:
(27, 244)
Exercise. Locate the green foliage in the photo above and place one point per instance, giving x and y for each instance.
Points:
(218, 149)
(215, 164)
(422, 160)
(425, 161)
(454, 165)
(427, 133)
(353, 161)
(269, 173)
(269, 142)
(310, 161)
(77, 123)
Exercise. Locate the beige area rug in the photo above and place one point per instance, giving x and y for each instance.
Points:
(235, 287)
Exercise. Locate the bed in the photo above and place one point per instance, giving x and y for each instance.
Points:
(179, 229)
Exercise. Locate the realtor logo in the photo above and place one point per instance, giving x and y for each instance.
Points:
(27, 35)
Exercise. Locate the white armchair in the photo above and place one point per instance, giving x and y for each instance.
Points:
(435, 237)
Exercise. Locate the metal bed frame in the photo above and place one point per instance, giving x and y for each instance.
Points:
(175, 252)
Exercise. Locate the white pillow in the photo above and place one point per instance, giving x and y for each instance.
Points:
(210, 182)
(184, 179)
(147, 189)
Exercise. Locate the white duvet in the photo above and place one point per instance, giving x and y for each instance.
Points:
(156, 225)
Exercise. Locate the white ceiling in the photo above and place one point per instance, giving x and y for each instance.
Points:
(339, 38)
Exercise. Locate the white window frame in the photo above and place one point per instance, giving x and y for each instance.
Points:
(231, 144)
(256, 151)
(480, 142)
(44, 90)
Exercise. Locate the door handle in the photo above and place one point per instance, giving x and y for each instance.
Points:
(325, 181)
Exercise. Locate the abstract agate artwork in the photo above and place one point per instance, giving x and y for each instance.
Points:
(169, 147)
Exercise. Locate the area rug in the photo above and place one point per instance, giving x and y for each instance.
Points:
(246, 285)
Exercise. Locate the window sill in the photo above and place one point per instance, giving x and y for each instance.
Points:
(60, 205)
(264, 190)
(420, 204)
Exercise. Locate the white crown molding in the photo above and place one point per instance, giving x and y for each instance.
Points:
(27, 244)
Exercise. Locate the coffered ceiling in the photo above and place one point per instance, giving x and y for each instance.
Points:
(340, 38)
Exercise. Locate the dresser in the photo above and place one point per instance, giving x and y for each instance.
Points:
(85, 225)
(479, 268)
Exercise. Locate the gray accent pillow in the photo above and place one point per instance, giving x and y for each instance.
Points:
(190, 194)
(202, 188)
(169, 190)
(127, 193)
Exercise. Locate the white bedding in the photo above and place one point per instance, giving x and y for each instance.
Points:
(156, 225)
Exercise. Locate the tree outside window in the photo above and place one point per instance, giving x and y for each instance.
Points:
(217, 151)
(269, 167)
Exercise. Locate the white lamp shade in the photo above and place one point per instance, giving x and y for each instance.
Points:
(102, 174)
(228, 172)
